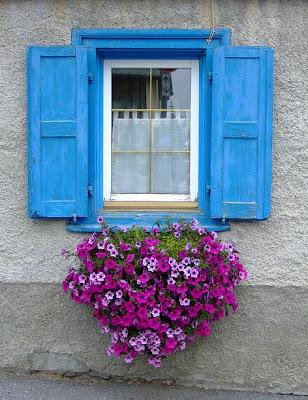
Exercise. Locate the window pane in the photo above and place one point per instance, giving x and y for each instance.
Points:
(130, 87)
(170, 173)
(130, 132)
(130, 173)
(171, 88)
(171, 133)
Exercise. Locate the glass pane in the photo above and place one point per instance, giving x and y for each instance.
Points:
(130, 173)
(171, 88)
(171, 133)
(129, 132)
(130, 88)
(170, 173)
(151, 130)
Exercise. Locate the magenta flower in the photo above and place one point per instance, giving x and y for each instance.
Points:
(163, 267)
(204, 329)
(130, 269)
(215, 248)
(119, 348)
(82, 253)
(154, 324)
(110, 264)
(171, 343)
(127, 320)
(65, 286)
(209, 308)
(129, 306)
(143, 279)
(142, 313)
(181, 290)
(196, 293)
(175, 314)
(229, 298)
(101, 254)
(144, 323)
(129, 258)
(89, 266)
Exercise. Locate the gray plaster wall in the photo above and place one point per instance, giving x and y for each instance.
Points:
(265, 347)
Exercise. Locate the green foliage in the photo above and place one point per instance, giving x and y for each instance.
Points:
(170, 244)
(133, 235)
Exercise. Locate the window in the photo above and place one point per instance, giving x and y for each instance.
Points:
(151, 155)
(140, 124)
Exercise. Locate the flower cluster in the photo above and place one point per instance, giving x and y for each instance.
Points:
(155, 290)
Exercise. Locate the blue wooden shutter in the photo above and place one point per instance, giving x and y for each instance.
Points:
(58, 131)
(241, 132)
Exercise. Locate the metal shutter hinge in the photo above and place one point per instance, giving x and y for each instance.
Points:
(90, 77)
(90, 190)
(210, 76)
(74, 218)
(208, 189)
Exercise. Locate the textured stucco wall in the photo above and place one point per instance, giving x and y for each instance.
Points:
(273, 320)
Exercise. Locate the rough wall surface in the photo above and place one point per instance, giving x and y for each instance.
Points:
(266, 346)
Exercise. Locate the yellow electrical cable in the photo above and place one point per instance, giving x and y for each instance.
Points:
(213, 20)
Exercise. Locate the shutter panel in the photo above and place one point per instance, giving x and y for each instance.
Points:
(58, 131)
(241, 132)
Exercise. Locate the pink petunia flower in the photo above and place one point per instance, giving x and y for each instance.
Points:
(209, 308)
(110, 264)
(142, 313)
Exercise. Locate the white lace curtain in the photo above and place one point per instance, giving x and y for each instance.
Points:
(150, 156)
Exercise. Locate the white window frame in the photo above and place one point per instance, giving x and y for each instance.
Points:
(107, 129)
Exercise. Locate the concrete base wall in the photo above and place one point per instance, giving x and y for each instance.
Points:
(263, 347)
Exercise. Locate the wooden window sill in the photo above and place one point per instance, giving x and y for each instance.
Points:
(146, 205)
